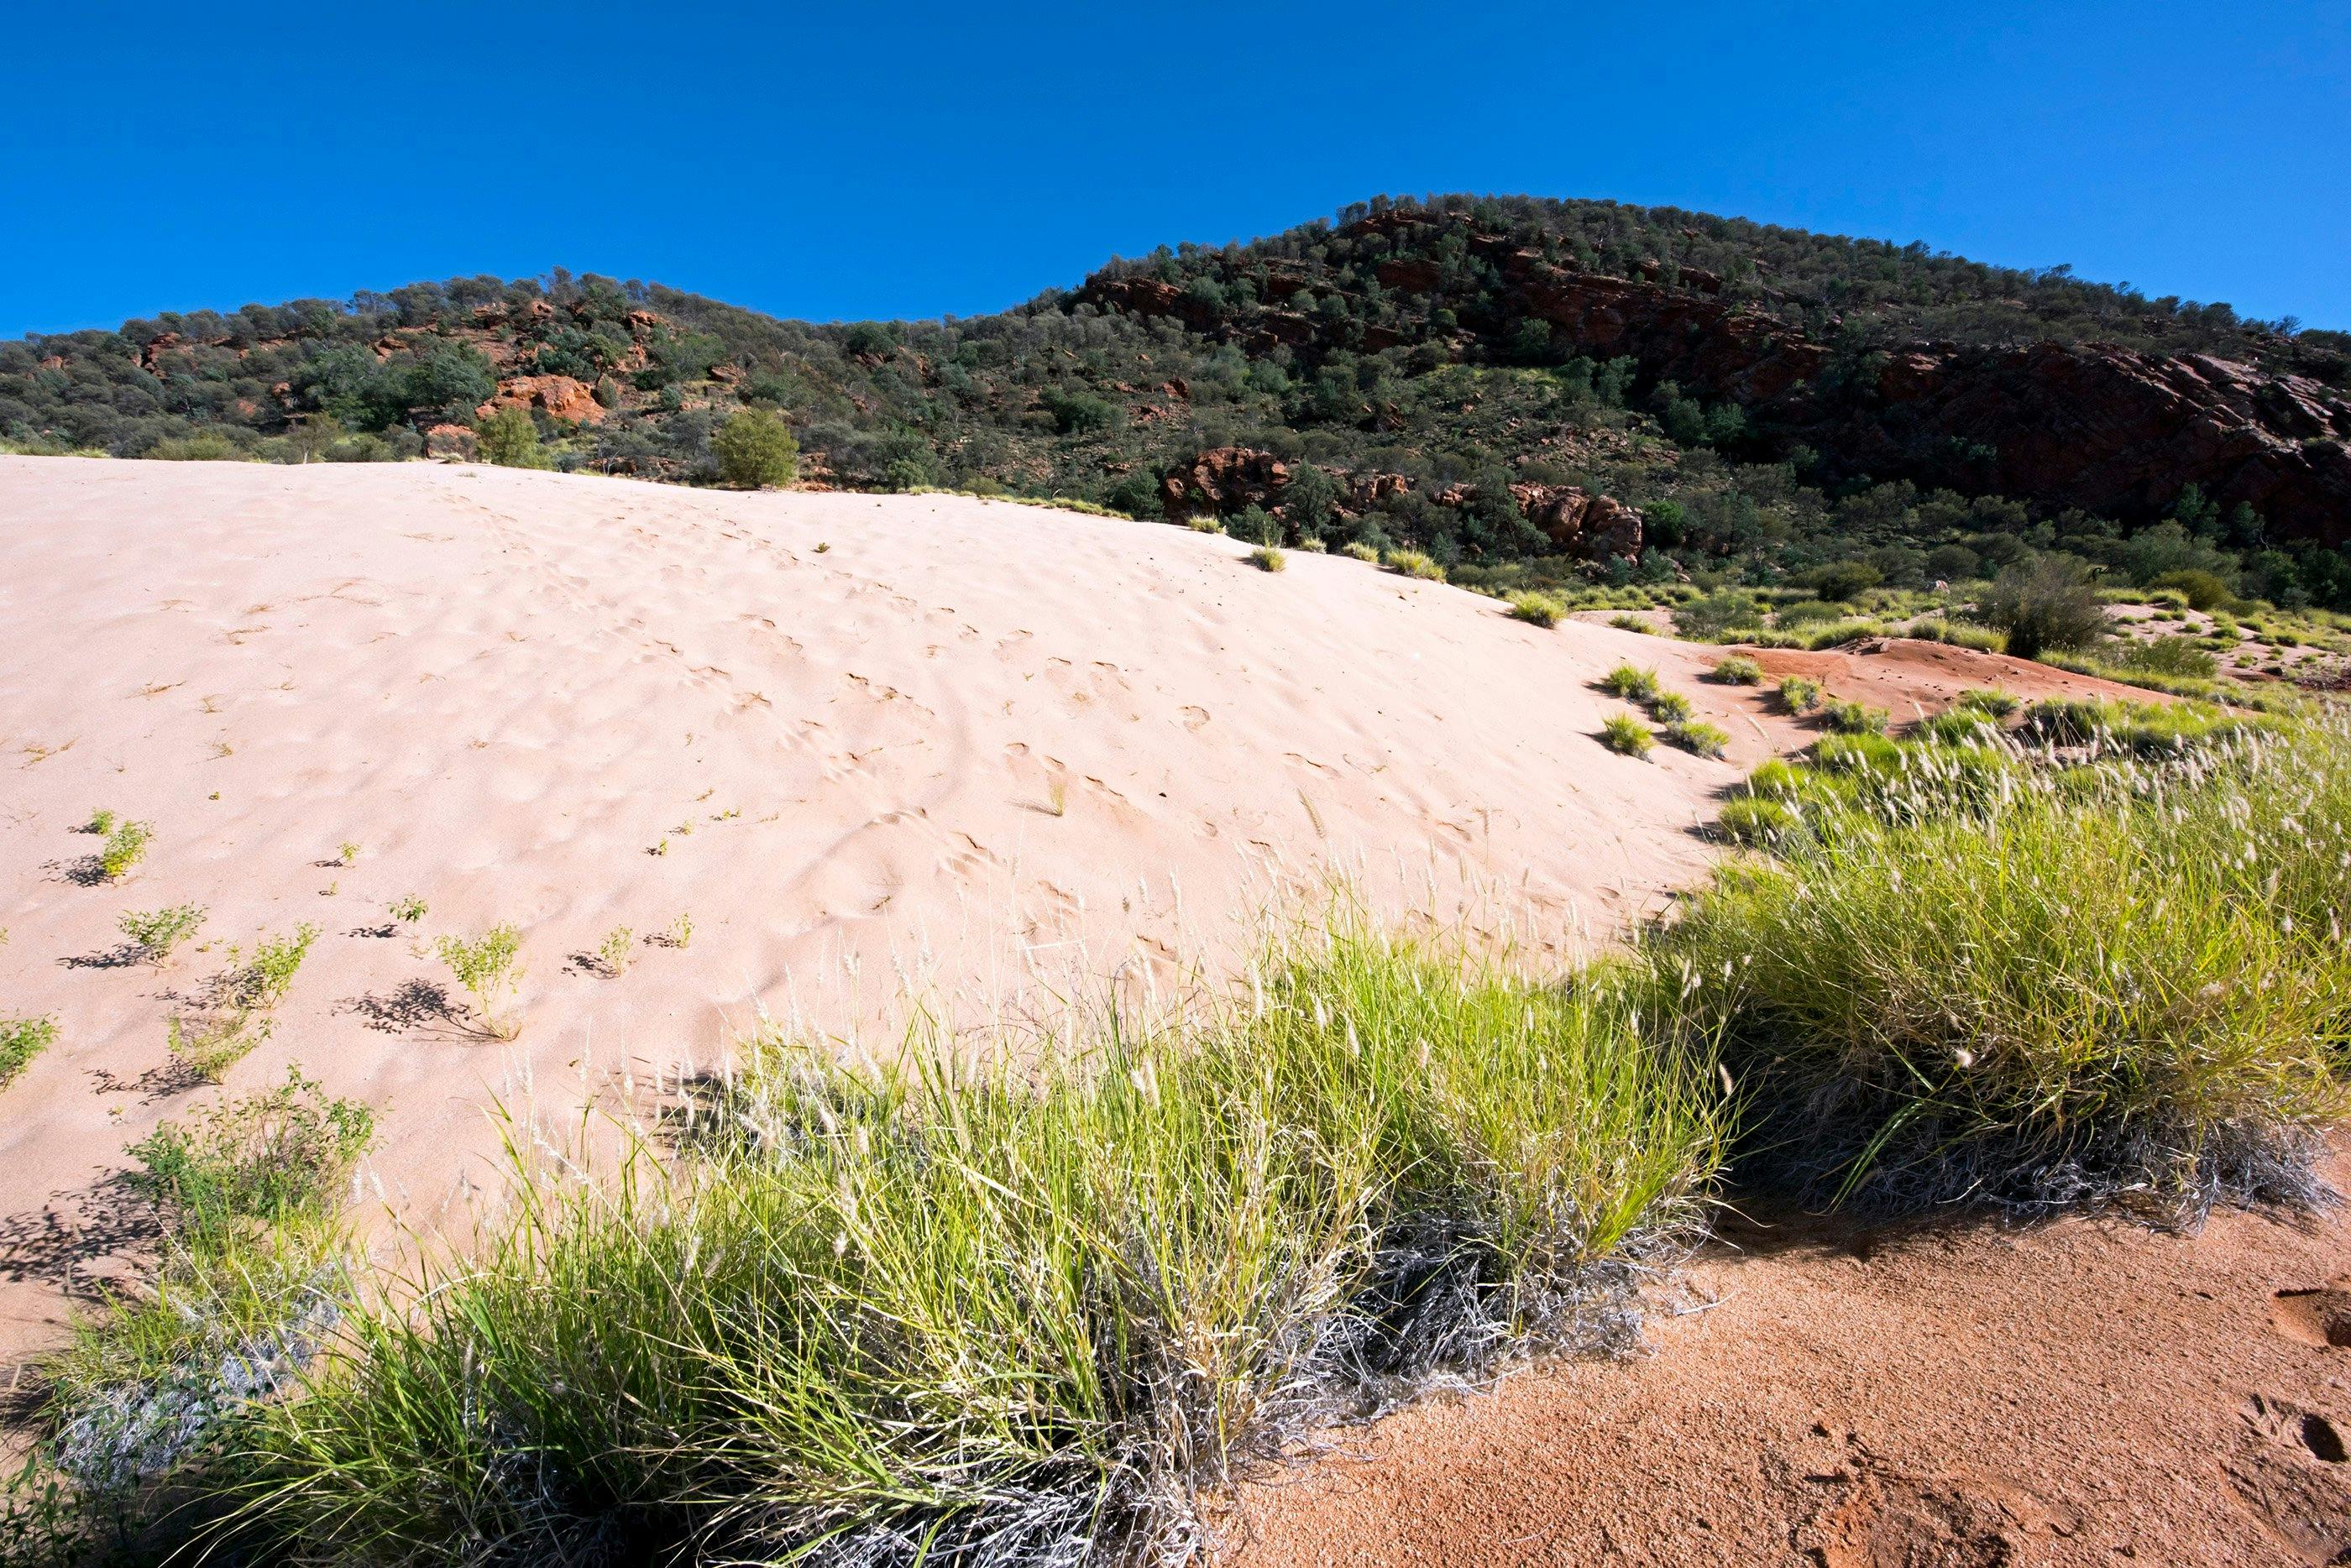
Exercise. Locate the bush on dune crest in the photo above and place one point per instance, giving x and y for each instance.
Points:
(996, 1316)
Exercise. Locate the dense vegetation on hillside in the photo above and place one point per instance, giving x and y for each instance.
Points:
(1407, 367)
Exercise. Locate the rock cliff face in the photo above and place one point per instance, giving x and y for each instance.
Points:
(1226, 479)
(2107, 429)
(2104, 429)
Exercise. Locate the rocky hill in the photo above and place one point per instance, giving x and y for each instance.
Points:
(1513, 385)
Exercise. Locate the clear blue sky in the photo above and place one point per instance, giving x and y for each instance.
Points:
(859, 161)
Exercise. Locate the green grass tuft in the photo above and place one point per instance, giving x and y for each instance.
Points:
(1631, 683)
(1799, 694)
(1848, 718)
(1537, 609)
(1697, 736)
(1625, 735)
(1737, 669)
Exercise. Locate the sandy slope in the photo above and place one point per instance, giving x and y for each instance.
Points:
(507, 688)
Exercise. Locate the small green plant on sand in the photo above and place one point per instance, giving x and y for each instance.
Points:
(1627, 735)
(21, 1039)
(407, 910)
(1356, 550)
(1697, 735)
(486, 967)
(101, 822)
(1848, 718)
(1414, 564)
(1738, 671)
(1990, 701)
(1266, 558)
(1669, 708)
(1537, 609)
(124, 847)
(1800, 693)
(612, 953)
(155, 932)
(1631, 683)
(1627, 621)
(349, 853)
(208, 1044)
(266, 979)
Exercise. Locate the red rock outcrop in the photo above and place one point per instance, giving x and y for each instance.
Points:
(561, 397)
(451, 441)
(1223, 479)
(1582, 523)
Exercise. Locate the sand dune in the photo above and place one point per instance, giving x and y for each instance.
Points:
(877, 741)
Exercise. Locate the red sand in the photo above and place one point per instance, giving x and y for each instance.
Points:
(1951, 1397)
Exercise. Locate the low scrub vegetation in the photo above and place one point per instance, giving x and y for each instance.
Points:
(1979, 971)
(1266, 558)
(21, 1039)
(981, 1313)
(487, 967)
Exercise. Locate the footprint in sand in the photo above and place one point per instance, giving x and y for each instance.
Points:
(2320, 1315)
(1194, 718)
(2287, 1467)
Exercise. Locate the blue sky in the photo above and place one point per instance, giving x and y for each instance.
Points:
(845, 161)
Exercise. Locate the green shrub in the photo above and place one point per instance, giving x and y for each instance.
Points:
(123, 847)
(1697, 736)
(1738, 671)
(21, 1039)
(1013, 1314)
(1537, 609)
(1632, 623)
(1851, 718)
(1669, 707)
(155, 932)
(2200, 589)
(510, 438)
(253, 1162)
(755, 449)
(486, 967)
(1627, 735)
(2046, 603)
(1799, 694)
(1631, 684)
(1266, 558)
(1412, 564)
(1356, 550)
(265, 981)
